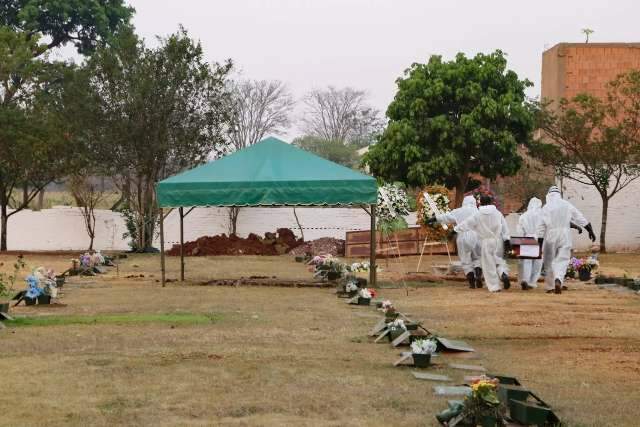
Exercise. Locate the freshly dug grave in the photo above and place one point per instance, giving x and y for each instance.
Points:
(321, 246)
(278, 243)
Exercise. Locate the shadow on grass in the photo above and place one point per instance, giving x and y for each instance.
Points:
(118, 319)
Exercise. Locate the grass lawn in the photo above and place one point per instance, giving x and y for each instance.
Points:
(127, 352)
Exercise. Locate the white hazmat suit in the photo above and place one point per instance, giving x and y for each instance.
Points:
(491, 228)
(467, 242)
(529, 269)
(557, 215)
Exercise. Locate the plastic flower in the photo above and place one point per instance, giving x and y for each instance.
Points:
(351, 287)
(365, 293)
(392, 203)
(424, 346)
(33, 290)
(398, 324)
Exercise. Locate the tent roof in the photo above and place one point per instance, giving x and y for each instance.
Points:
(270, 172)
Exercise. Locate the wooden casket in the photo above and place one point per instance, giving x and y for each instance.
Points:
(525, 248)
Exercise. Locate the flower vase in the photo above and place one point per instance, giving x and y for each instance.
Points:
(584, 275)
(488, 421)
(44, 299)
(364, 301)
(395, 333)
(30, 301)
(4, 307)
(421, 360)
(333, 275)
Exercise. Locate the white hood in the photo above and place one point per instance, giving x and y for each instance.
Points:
(534, 204)
(469, 202)
(488, 209)
(553, 197)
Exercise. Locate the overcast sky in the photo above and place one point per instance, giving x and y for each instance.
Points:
(367, 44)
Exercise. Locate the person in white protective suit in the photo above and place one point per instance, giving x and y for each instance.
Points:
(493, 234)
(529, 269)
(554, 233)
(466, 242)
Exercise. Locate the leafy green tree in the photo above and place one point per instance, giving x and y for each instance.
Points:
(81, 22)
(153, 112)
(452, 119)
(593, 141)
(33, 145)
(334, 150)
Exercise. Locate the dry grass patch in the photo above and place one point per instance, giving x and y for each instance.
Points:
(276, 356)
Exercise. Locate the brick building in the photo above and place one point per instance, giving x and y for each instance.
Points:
(571, 68)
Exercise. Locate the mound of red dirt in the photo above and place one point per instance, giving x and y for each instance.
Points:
(321, 246)
(281, 242)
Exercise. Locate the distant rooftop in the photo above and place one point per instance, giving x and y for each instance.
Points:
(596, 45)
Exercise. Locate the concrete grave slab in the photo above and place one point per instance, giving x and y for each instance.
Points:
(441, 390)
(379, 327)
(430, 377)
(401, 339)
(476, 368)
(382, 335)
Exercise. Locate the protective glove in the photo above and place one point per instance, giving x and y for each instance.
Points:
(540, 241)
(589, 229)
(507, 247)
(576, 226)
(432, 220)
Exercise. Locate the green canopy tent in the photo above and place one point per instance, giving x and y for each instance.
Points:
(269, 173)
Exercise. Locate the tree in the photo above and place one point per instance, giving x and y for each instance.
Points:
(334, 150)
(341, 115)
(449, 120)
(81, 22)
(32, 140)
(157, 112)
(587, 32)
(33, 144)
(260, 107)
(595, 142)
(532, 180)
(87, 194)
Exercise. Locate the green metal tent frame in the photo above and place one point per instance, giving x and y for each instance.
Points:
(269, 173)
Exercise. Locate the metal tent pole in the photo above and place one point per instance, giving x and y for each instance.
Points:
(372, 255)
(181, 211)
(162, 266)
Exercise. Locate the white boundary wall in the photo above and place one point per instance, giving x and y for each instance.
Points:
(62, 228)
(623, 221)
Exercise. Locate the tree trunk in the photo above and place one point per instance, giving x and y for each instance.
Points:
(40, 200)
(25, 195)
(298, 222)
(3, 226)
(603, 225)
(461, 187)
(234, 212)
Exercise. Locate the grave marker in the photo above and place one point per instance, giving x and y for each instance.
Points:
(477, 368)
(430, 377)
(401, 339)
(379, 327)
(442, 390)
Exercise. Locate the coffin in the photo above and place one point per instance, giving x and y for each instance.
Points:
(525, 248)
